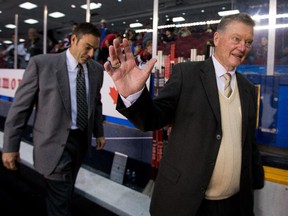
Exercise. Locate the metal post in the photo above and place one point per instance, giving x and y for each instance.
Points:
(271, 37)
(16, 42)
(45, 30)
(155, 28)
(88, 11)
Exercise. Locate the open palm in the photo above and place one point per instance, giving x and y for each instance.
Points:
(128, 78)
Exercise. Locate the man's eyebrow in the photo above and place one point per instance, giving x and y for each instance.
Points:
(90, 45)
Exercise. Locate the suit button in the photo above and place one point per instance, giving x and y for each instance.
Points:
(63, 145)
(218, 137)
(203, 190)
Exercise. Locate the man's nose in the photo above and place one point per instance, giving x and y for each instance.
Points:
(91, 53)
(242, 46)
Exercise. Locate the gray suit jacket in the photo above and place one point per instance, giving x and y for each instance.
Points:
(190, 101)
(45, 86)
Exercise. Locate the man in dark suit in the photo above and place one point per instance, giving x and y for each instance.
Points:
(50, 84)
(211, 164)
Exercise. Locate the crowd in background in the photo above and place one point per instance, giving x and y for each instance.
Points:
(185, 39)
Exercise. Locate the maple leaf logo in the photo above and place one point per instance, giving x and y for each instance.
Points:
(114, 94)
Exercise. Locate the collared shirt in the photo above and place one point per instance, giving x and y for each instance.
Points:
(220, 71)
(72, 74)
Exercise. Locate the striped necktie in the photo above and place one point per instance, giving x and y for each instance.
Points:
(227, 88)
(82, 107)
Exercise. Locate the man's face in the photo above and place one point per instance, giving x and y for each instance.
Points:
(149, 49)
(83, 48)
(32, 34)
(233, 44)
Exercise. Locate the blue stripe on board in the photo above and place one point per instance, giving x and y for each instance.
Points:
(119, 121)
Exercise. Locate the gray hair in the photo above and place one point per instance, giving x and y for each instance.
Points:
(240, 17)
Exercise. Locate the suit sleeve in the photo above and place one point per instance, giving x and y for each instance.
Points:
(149, 114)
(257, 166)
(98, 130)
(21, 108)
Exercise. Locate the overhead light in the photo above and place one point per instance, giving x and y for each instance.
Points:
(266, 16)
(10, 26)
(277, 26)
(7, 42)
(92, 6)
(56, 14)
(31, 21)
(73, 6)
(28, 5)
(178, 19)
(228, 12)
(21, 40)
(135, 25)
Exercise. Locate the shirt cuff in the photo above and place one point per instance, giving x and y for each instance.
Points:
(131, 98)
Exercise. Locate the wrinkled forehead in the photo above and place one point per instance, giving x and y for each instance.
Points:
(236, 27)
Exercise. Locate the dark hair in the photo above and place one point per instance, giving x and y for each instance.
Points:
(86, 28)
(240, 17)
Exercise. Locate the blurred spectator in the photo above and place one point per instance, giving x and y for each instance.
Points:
(168, 36)
(67, 39)
(103, 30)
(130, 34)
(137, 48)
(57, 48)
(260, 51)
(132, 44)
(104, 46)
(34, 44)
(184, 32)
(8, 55)
(145, 55)
(147, 37)
(2, 63)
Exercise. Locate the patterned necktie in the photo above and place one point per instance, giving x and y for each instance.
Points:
(227, 88)
(82, 107)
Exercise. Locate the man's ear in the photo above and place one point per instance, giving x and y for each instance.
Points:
(73, 39)
(216, 38)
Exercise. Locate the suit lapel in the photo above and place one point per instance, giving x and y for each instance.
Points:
(61, 73)
(210, 85)
(92, 84)
(244, 94)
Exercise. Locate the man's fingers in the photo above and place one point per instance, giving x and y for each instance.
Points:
(127, 50)
(10, 165)
(10, 159)
(107, 66)
(150, 65)
(112, 53)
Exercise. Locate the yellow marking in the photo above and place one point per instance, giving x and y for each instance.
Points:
(276, 175)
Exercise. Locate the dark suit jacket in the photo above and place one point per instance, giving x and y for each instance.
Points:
(190, 102)
(45, 86)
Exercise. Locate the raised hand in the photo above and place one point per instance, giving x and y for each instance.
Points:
(126, 75)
